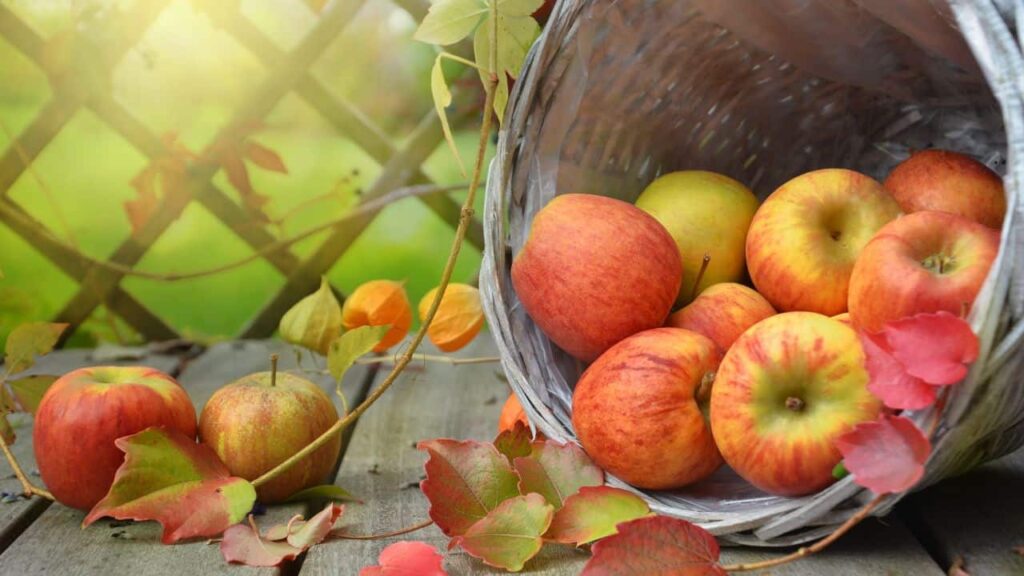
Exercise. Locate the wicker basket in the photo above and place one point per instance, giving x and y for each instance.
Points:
(616, 92)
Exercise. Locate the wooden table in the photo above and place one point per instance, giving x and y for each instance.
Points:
(979, 517)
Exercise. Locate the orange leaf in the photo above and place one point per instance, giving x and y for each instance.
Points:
(264, 157)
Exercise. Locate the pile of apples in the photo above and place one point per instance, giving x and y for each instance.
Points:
(763, 377)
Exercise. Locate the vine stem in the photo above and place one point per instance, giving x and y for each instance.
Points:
(28, 489)
(432, 358)
(399, 532)
(465, 217)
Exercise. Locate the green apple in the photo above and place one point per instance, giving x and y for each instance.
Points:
(706, 213)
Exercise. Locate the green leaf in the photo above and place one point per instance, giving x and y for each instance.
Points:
(510, 534)
(322, 492)
(840, 471)
(593, 513)
(556, 471)
(184, 486)
(518, 7)
(29, 391)
(515, 442)
(28, 340)
(449, 21)
(345, 349)
(442, 100)
(313, 322)
(515, 36)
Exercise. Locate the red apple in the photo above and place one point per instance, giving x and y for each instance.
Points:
(636, 409)
(805, 238)
(923, 262)
(262, 419)
(722, 312)
(82, 414)
(784, 392)
(949, 182)
(595, 270)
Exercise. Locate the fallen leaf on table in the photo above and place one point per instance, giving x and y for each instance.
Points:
(243, 543)
(593, 513)
(556, 471)
(515, 442)
(407, 559)
(886, 455)
(656, 546)
(510, 534)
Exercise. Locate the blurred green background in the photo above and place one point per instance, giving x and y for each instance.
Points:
(188, 76)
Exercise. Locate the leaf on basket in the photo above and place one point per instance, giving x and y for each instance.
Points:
(886, 455)
(27, 341)
(510, 534)
(184, 486)
(243, 543)
(656, 545)
(515, 442)
(556, 471)
(593, 513)
(465, 481)
(889, 380)
(407, 559)
(936, 348)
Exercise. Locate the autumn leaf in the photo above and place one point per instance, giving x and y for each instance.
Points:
(27, 341)
(656, 546)
(322, 492)
(264, 157)
(313, 322)
(889, 380)
(348, 347)
(556, 471)
(242, 544)
(936, 348)
(886, 455)
(165, 173)
(593, 513)
(515, 442)
(169, 478)
(407, 559)
(29, 391)
(510, 534)
(465, 481)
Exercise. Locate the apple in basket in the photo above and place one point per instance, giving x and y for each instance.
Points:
(260, 420)
(722, 312)
(637, 409)
(784, 392)
(948, 182)
(922, 262)
(595, 270)
(706, 214)
(806, 236)
(84, 411)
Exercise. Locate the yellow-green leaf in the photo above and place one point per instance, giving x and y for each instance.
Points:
(322, 492)
(30, 389)
(519, 7)
(351, 345)
(443, 99)
(449, 21)
(515, 35)
(314, 321)
(28, 340)
(316, 5)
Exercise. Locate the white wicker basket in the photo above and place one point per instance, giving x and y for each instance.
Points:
(617, 91)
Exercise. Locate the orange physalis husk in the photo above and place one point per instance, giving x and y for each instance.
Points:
(459, 318)
(376, 303)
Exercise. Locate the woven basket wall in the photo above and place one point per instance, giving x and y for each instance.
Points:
(615, 93)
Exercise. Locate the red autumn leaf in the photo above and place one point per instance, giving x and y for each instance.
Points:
(465, 481)
(510, 534)
(169, 170)
(889, 380)
(556, 471)
(169, 478)
(933, 347)
(407, 559)
(886, 455)
(242, 545)
(656, 546)
(593, 513)
(305, 534)
(264, 157)
(515, 442)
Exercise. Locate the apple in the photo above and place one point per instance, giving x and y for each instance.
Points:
(706, 214)
(948, 182)
(805, 238)
(262, 419)
(84, 411)
(784, 392)
(595, 270)
(637, 413)
(722, 312)
(923, 262)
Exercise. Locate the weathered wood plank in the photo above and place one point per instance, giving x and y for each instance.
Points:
(383, 468)
(978, 516)
(55, 544)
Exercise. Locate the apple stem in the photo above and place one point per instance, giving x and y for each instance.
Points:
(700, 275)
(795, 404)
(273, 370)
(704, 388)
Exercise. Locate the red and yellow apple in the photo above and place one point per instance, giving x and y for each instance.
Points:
(805, 238)
(82, 414)
(922, 262)
(948, 182)
(260, 420)
(636, 411)
(595, 270)
(706, 214)
(722, 312)
(784, 392)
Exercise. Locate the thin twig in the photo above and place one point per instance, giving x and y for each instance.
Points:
(28, 489)
(432, 358)
(420, 526)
